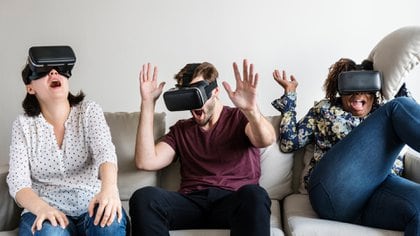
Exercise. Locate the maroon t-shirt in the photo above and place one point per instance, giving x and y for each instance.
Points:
(220, 157)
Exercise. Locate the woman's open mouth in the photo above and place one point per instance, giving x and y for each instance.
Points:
(197, 112)
(358, 104)
(55, 84)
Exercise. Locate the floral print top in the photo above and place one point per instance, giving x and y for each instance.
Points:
(324, 125)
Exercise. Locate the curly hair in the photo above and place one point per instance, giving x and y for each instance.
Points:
(331, 83)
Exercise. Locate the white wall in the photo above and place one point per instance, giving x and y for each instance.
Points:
(112, 39)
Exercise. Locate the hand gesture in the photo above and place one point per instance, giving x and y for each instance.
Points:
(108, 205)
(288, 85)
(245, 95)
(149, 90)
(53, 215)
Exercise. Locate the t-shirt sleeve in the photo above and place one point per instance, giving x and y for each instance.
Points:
(169, 138)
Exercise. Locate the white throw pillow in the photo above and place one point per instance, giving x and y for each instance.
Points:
(276, 166)
(395, 56)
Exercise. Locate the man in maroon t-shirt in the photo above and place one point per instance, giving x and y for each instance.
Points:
(218, 148)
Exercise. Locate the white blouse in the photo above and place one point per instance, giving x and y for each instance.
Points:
(67, 177)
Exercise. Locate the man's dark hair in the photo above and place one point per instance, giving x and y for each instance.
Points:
(205, 69)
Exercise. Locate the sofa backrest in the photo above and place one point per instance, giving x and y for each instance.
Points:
(123, 126)
(9, 211)
(276, 166)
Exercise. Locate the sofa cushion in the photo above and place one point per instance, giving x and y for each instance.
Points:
(395, 56)
(412, 165)
(200, 232)
(276, 171)
(300, 219)
(276, 167)
(123, 126)
(9, 211)
(14, 232)
(307, 155)
(214, 232)
(169, 178)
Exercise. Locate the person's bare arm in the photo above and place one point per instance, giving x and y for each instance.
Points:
(107, 199)
(289, 85)
(149, 156)
(259, 130)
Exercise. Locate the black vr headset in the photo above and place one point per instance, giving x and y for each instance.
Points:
(359, 81)
(188, 96)
(43, 59)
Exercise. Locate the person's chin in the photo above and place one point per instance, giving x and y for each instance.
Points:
(201, 121)
(359, 113)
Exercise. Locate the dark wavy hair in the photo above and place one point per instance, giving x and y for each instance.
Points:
(331, 83)
(31, 104)
(205, 69)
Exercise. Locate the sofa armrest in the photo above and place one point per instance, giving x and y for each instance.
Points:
(9, 211)
(412, 166)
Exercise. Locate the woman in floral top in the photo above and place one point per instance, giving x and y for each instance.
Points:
(351, 180)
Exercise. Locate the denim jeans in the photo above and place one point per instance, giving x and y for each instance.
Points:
(80, 225)
(155, 211)
(352, 182)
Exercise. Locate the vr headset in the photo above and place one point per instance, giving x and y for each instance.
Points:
(42, 60)
(188, 96)
(359, 81)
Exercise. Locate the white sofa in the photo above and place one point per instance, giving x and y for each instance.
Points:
(291, 211)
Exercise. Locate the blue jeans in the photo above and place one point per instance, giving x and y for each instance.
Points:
(352, 182)
(80, 225)
(155, 211)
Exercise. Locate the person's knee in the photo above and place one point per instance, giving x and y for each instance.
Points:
(402, 101)
(143, 196)
(116, 228)
(27, 220)
(253, 210)
(254, 195)
(50, 230)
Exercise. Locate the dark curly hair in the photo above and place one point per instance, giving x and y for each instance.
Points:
(31, 104)
(344, 64)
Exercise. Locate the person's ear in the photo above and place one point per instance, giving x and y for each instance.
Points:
(30, 90)
(215, 91)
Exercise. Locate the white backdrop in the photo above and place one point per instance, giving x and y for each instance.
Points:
(112, 39)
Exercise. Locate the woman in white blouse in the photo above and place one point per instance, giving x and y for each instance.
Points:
(63, 165)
